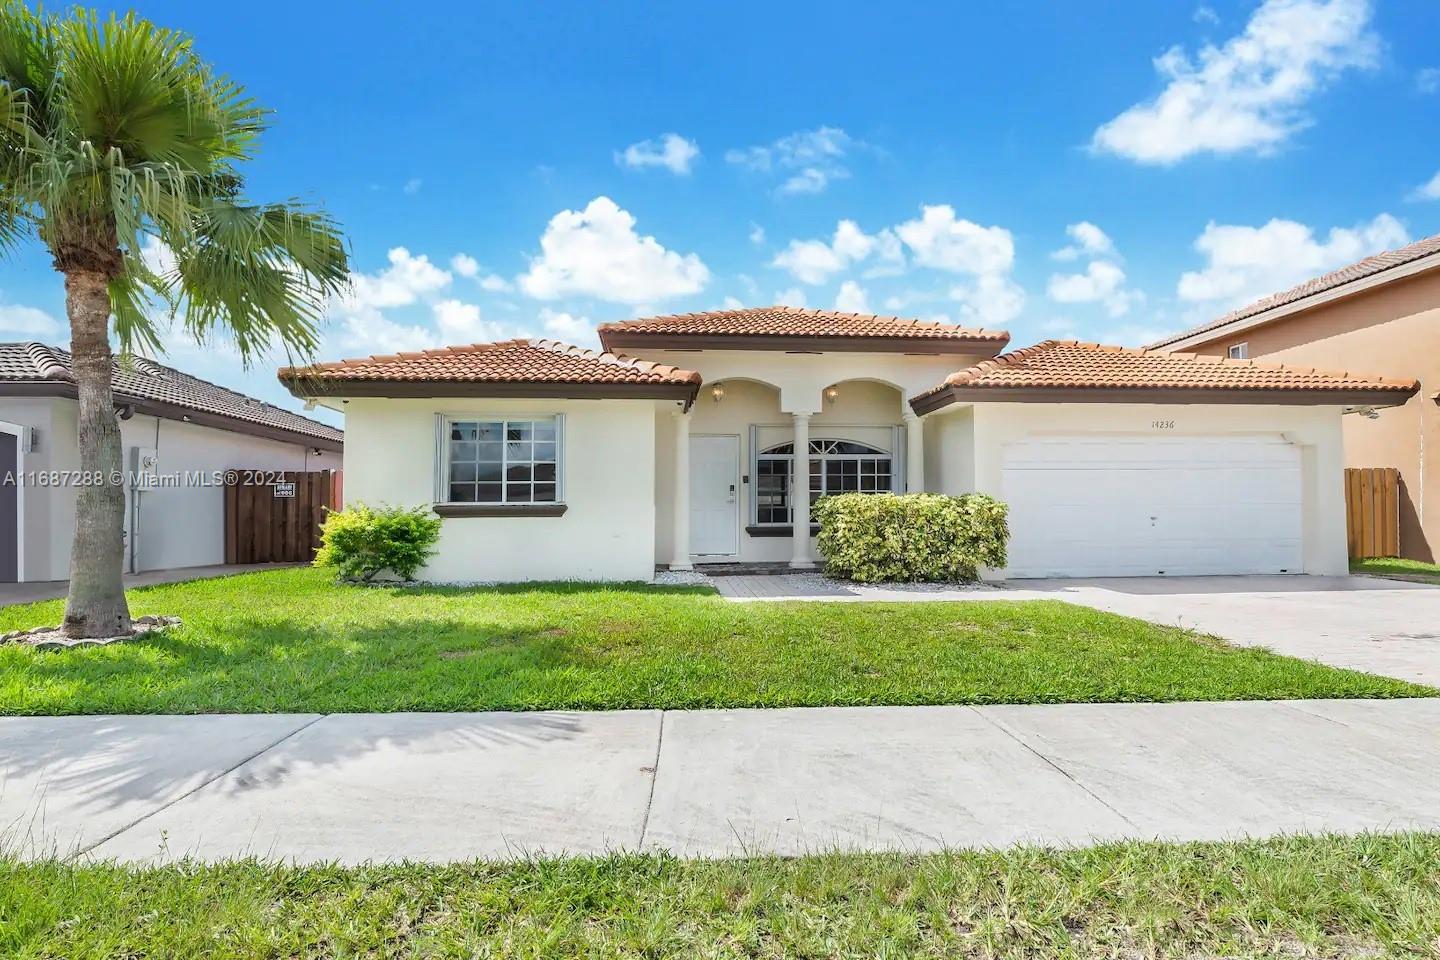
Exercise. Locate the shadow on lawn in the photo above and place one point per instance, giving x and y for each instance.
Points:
(97, 761)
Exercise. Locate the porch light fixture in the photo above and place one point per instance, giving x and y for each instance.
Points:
(717, 392)
(832, 394)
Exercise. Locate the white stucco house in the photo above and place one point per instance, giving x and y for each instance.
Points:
(179, 429)
(677, 446)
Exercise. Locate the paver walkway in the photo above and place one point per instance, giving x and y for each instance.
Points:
(1388, 627)
(443, 787)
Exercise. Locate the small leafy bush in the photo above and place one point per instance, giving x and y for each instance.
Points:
(878, 538)
(362, 542)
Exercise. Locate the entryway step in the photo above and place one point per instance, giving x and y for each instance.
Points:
(737, 569)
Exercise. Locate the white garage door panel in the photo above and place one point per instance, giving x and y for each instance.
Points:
(1090, 506)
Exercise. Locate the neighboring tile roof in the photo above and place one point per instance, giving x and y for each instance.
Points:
(138, 379)
(508, 361)
(781, 321)
(1368, 267)
(1072, 366)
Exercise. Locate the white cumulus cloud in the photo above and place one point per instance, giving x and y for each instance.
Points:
(809, 160)
(568, 327)
(938, 239)
(1250, 93)
(464, 264)
(669, 151)
(1102, 280)
(852, 298)
(992, 299)
(459, 322)
(494, 283)
(815, 261)
(793, 297)
(1087, 239)
(596, 252)
(403, 282)
(1429, 190)
(28, 323)
(1245, 263)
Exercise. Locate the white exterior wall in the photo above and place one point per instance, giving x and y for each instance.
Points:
(764, 389)
(39, 554)
(185, 526)
(608, 466)
(950, 450)
(177, 526)
(1317, 430)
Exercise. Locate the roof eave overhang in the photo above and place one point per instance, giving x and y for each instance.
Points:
(930, 402)
(1354, 288)
(307, 389)
(175, 411)
(617, 340)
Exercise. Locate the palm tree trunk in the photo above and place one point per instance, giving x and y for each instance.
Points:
(95, 606)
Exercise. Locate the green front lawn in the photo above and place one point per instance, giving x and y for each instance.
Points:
(1373, 896)
(1396, 567)
(293, 640)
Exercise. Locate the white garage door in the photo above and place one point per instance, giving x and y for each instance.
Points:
(1107, 506)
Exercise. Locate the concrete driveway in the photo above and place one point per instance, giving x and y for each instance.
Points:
(1387, 627)
(446, 787)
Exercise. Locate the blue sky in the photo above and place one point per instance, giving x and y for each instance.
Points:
(1103, 171)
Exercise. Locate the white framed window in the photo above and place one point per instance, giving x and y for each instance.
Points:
(500, 460)
(1239, 351)
(836, 466)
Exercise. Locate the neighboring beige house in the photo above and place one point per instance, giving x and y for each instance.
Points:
(1382, 316)
(549, 461)
(173, 427)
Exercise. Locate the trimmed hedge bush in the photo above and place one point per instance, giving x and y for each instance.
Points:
(363, 542)
(877, 538)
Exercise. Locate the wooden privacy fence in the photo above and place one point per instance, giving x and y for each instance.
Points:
(274, 516)
(1372, 511)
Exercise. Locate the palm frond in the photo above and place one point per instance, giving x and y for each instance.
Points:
(260, 275)
(114, 133)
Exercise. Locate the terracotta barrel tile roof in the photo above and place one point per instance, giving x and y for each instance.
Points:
(781, 322)
(1359, 270)
(508, 361)
(39, 369)
(1067, 366)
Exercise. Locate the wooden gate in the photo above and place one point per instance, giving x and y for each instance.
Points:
(1372, 511)
(274, 516)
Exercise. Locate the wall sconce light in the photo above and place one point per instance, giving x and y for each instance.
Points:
(717, 392)
(832, 394)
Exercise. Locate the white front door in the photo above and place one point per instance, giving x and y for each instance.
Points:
(1110, 506)
(715, 496)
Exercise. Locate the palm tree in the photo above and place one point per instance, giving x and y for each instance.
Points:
(115, 135)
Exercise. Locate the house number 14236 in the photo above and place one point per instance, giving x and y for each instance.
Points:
(1163, 424)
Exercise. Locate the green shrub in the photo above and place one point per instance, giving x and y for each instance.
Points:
(877, 538)
(363, 542)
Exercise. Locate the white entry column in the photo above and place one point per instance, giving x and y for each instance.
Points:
(800, 494)
(680, 522)
(914, 452)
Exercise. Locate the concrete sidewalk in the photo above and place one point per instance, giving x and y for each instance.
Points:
(444, 787)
